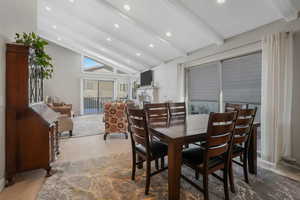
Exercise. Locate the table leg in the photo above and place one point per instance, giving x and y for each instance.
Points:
(174, 170)
(252, 154)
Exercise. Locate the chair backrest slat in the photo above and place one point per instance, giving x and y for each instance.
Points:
(157, 112)
(217, 151)
(138, 127)
(219, 134)
(177, 109)
(229, 107)
(243, 126)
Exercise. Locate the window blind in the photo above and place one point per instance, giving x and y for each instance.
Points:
(241, 79)
(204, 82)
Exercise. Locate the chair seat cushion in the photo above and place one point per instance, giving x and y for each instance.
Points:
(195, 157)
(158, 149)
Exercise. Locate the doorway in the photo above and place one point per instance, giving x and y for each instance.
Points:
(95, 94)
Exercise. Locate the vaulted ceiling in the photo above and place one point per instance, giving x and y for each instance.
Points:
(134, 35)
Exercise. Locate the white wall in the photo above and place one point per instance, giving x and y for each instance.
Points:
(65, 82)
(67, 76)
(165, 75)
(15, 16)
(165, 78)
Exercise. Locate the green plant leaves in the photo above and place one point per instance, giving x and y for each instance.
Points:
(38, 57)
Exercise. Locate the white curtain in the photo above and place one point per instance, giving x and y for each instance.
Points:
(277, 83)
(180, 82)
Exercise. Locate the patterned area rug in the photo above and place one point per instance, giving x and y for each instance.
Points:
(86, 125)
(109, 178)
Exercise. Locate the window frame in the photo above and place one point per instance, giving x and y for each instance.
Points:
(220, 61)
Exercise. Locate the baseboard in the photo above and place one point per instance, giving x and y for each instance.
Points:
(266, 164)
(2, 184)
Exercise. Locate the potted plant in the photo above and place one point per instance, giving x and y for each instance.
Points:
(40, 66)
(38, 58)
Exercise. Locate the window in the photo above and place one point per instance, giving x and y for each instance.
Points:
(241, 81)
(204, 88)
(123, 90)
(95, 94)
(237, 79)
(93, 66)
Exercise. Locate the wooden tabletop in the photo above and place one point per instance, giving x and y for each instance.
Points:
(189, 128)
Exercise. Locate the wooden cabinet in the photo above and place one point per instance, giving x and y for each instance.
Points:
(31, 130)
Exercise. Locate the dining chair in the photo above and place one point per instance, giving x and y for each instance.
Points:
(142, 146)
(214, 154)
(229, 107)
(177, 110)
(157, 112)
(241, 142)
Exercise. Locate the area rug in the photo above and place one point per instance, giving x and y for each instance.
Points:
(86, 125)
(109, 178)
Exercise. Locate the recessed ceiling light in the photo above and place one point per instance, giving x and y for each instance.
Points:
(48, 8)
(54, 27)
(59, 38)
(151, 45)
(108, 39)
(126, 7)
(138, 54)
(168, 34)
(221, 1)
(102, 49)
(72, 1)
(116, 25)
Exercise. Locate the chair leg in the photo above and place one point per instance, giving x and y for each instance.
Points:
(162, 162)
(156, 164)
(70, 133)
(205, 186)
(105, 135)
(148, 171)
(245, 167)
(231, 177)
(225, 180)
(133, 165)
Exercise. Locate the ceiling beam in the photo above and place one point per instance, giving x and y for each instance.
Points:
(76, 41)
(208, 31)
(142, 60)
(147, 29)
(286, 9)
(110, 34)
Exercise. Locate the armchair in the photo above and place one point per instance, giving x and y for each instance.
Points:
(115, 118)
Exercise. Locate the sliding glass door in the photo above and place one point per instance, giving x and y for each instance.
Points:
(95, 94)
(241, 81)
(236, 80)
(204, 88)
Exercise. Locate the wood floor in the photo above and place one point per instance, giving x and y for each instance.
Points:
(28, 184)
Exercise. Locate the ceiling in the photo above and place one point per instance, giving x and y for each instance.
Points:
(152, 31)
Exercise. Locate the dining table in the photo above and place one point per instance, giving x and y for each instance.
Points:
(179, 132)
